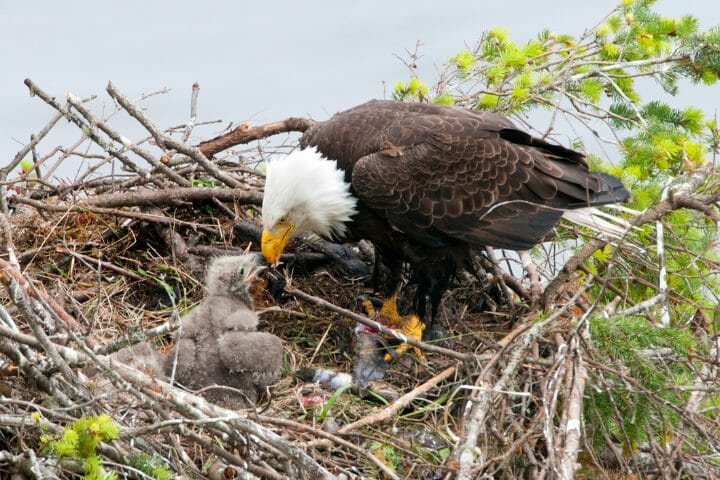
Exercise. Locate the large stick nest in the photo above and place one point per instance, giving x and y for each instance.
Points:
(116, 255)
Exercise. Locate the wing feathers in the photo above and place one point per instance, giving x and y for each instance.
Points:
(435, 172)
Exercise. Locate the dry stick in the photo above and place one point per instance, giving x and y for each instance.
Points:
(244, 134)
(17, 286)
(177, 245)
(166, 141)
(147, 156)
(465, 452)
(572, 414)
(19, 156)
(210, 251)
(89, 130)
(662, 269)
(376, 325)
(173, 196)
(112, 212)
(66, 152)
(533, 274)
(384, 414)
(330, 438)
(104, 264)
(186, 403)
(422, 345)
(512, 282)
(26, 465)
(161, 139)
(28, 362)
(573, 264)
(231, 458)
(641, 307)
(550, 394)
(54, 307)
(137, 337)
(193, 112)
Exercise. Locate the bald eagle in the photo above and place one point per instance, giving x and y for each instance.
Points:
(425, 184)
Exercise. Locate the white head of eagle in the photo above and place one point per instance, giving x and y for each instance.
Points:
(304, 192)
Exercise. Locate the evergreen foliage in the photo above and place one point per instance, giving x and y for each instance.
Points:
(80, 442)
(626, 411)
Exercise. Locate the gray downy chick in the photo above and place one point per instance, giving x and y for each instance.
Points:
(219, 344)
(145, 358)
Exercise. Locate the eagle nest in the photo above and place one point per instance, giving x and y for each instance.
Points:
(100, 257)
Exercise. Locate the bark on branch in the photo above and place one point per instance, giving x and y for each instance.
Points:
(173, 196)
(245, 133)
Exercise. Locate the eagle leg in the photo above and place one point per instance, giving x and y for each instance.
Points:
(369, 307)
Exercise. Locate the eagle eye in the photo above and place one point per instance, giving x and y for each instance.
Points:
(283, 220)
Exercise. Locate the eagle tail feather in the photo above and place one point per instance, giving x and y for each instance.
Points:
(600, 222)
(611, 190)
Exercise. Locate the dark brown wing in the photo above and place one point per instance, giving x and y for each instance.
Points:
(437, 172)
(380, 124)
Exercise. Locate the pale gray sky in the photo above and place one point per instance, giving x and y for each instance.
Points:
(261, 61)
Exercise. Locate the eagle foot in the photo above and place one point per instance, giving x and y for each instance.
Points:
(409, 325)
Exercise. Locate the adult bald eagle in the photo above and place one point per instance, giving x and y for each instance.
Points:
(425, 184)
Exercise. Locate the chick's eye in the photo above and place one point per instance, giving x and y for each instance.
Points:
(242, 272)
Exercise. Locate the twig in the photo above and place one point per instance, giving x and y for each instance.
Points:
(104, 264)
(35, 315)
(482, 399)
(89, 130)
(511, 281)
(4, 171)
(193, 112)
(642, 306)
(662, 270)
(137, 337)
(244, 134)
(572, 414)
(147, 156)
(173, 197)
(192, 405)
(166, 141)
(109, 211)
(330, 439)
(177, 245)
(384, 414)
(465, 452)
(376, 325)
(533, 274)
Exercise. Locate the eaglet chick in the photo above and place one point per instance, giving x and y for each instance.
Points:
(219, 343)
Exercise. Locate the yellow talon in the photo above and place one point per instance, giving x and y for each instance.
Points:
(369, 308)
(409, 325)
(389, 312)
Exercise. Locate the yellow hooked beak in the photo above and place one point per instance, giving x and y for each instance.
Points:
(274, 242)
